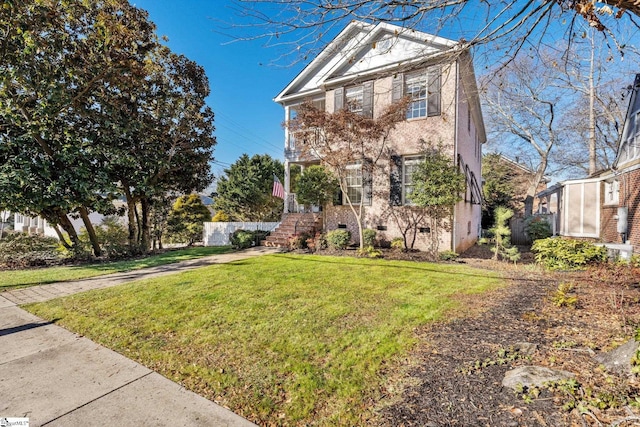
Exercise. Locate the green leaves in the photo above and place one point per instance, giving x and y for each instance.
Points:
(437, 184)
(245, 191)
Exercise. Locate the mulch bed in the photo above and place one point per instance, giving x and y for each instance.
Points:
(443, 387)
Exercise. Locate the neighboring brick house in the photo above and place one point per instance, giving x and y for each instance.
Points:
(370, 66)
(606, 206)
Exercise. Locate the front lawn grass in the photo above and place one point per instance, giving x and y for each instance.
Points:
(13, 279)
(281, 339)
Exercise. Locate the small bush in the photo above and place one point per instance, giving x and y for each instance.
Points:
(537, 228)
(317, 243)
(564, 297)
(567, 254)
(369, 237)
(242, 239)
(370, 252)
(21, 250)
(299, 241)
(397, 243)
(338, 239)
(448, 256)
(113, 237)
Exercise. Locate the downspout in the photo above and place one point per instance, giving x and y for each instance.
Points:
(455, 153)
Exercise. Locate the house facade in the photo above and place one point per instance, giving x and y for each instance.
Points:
(605, 207)
(365, 69)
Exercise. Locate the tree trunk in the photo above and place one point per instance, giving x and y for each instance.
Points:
(145, 225)
(131, 217)
(93, 238)
(67, 226)
(63, 240)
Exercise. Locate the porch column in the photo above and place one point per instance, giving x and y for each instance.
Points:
(287, 184)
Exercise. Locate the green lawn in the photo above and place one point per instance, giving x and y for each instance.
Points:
(281, 339)
(12, 279)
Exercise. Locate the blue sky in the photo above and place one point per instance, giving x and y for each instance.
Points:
(242, 83)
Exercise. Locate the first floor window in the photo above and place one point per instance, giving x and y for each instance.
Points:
(354, 183)
(409, 165)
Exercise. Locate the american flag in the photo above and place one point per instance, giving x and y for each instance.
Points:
(278, 189)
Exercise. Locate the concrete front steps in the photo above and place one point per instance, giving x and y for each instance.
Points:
(292, 224)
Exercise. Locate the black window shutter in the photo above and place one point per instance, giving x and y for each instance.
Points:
(338, 99)
(395, 181)
(367, 99)
(434, 82)
(337, 197)
(397, 87)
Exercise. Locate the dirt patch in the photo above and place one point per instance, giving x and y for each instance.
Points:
(460, 364)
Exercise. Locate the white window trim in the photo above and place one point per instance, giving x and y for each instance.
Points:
(354, 93)
(408, 160)
(354, 166)
(423, 76)
(612, 192)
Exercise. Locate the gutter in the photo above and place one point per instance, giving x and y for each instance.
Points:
(454, 229)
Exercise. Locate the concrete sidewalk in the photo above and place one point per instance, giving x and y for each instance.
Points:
(57, 378)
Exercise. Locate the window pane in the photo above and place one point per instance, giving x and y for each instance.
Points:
(354, 183)
(410, 165)
(416, 88)
(354, 98)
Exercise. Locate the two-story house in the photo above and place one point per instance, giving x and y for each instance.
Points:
(366, 68)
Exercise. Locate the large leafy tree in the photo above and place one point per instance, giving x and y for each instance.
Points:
(244, 192)
(162, 141)
(54, 56)
(93, 107)
(501, 185)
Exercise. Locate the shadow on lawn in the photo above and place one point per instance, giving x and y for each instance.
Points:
(349, 261)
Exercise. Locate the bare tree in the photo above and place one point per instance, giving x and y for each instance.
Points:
(302, 27)
(598, 109)
(525, 102)
(349, 145)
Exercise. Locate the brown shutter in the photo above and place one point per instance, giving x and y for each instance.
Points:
(338, 99)
(397, 87)
(367, 99)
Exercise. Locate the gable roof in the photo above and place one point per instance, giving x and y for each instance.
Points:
(364, 49)
(630, 125)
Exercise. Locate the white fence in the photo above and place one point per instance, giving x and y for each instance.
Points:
(217, 233)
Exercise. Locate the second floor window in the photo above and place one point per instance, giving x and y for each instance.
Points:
(354, 97)
(357, 99)
(423, 88)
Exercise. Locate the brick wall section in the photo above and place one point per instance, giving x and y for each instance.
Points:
(406, 139)
(630, 197)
